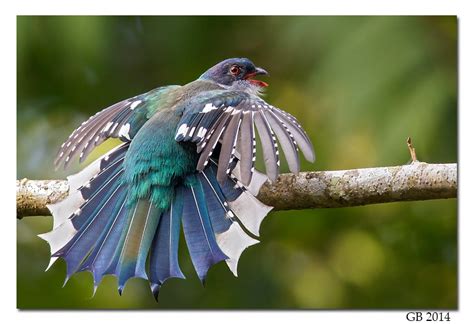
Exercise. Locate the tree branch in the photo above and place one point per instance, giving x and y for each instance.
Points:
(323, 189)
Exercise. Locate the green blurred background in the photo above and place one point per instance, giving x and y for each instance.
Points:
(359, 85)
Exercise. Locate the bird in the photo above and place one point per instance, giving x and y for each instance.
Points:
(186, 161)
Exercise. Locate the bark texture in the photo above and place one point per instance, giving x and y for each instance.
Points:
(322, 189)
(346, 188)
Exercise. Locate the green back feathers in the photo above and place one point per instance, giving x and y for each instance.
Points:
(155, 162)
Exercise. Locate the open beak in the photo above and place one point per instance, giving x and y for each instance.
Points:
(258, 71)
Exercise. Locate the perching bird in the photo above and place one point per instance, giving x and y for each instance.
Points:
(187, 159)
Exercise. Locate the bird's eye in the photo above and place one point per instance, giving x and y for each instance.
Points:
(235, 70)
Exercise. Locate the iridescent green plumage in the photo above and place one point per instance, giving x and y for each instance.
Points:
(155, 162)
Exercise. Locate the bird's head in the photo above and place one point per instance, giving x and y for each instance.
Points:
(235, 71)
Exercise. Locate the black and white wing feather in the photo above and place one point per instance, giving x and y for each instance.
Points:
(121, 120)
(232, 119)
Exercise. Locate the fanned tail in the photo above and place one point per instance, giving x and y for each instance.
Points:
(97, 229)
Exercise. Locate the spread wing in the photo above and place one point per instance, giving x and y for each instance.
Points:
(233, 118)
(121, 120)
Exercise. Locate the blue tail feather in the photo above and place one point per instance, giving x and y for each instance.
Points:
(228, 187)
(216, 205)
(114, 263)
(164, 253)
(210, 178)
(95, 200)
(198, 232)
(134, 245)
(99, 259)
(151, 227)
(96, 203)
(79, 247)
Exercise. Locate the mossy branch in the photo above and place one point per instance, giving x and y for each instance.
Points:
(323, 189)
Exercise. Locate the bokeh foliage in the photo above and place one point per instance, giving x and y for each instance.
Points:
(359, 86)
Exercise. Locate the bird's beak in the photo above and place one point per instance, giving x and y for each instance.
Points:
(258, 71)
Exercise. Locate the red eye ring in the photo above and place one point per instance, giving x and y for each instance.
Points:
(235, 70)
